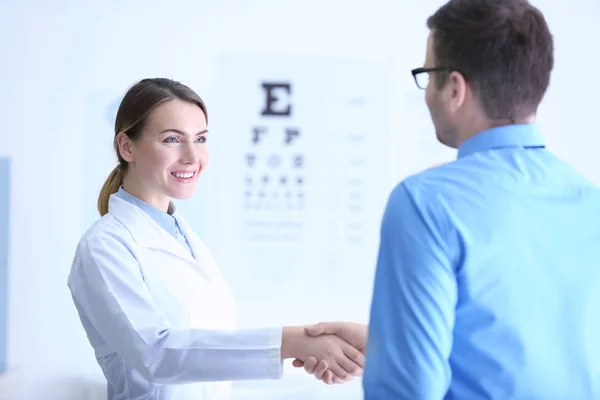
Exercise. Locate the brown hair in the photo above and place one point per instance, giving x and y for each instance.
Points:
(502, 47)
(132, 116)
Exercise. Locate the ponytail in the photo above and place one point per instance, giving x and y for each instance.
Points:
(111, 186)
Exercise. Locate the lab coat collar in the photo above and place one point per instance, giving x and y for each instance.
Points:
(201, 252)
(146, 232)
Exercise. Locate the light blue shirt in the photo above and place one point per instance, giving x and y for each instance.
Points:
(488, 278)
(167, 221)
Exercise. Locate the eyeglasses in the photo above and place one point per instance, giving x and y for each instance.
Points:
(421, 75)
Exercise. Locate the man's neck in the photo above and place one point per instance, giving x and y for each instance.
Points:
(484, 125)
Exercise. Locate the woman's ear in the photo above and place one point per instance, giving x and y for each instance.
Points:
(125, 147)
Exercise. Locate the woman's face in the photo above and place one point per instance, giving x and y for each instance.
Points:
(167, 160)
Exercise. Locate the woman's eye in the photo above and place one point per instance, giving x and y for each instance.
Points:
(201, 139)
(171, 139)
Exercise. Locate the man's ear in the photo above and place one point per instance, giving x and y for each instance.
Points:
(458, 87)
(125, 147)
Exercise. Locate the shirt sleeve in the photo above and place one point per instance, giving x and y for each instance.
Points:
(412, 310)
(110, 294)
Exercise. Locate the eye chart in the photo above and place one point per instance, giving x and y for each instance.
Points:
(302, 152)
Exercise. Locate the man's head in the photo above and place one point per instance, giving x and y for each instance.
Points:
(493, 60)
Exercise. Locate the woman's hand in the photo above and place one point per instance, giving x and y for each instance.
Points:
(320, 370)
(343, 360)
(353, 333)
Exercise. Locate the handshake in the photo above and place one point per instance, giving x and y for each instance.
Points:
(333, 352)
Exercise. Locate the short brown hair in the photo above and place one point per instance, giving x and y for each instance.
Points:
(132, 116)
(503, 48)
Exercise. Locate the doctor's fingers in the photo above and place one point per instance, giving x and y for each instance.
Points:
(310, 364)
(319, 369)
(354, 360)
(322, 372)
(357, 356)
(329, 378)
(344, 366)
(298, 363)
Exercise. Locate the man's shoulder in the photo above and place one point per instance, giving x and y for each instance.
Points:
(436, 180)
(421, 190)
(445, 188)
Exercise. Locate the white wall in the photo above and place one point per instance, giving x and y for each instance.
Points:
(54, 54)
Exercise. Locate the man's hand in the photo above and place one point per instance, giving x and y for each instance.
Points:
(353, 333)
(342, 360)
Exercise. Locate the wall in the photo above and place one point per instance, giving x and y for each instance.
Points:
(65, 58)
(4, 224)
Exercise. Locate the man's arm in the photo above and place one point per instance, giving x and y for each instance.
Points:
(412, 310)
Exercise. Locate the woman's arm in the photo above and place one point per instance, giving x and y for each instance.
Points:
(112, 298)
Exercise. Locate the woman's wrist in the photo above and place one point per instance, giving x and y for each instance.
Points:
(291, 338)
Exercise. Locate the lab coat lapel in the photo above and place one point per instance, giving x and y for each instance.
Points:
(201, 252)
(146, 232)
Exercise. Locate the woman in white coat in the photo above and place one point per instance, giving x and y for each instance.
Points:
(154, 305)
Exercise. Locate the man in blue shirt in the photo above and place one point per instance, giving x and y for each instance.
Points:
(488, 275)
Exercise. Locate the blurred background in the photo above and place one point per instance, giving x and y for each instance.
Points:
(314, 117)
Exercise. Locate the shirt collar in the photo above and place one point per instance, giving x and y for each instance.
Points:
(522, 135)
(165, 220)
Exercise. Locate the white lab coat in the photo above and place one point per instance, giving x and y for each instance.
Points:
(162, 322)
